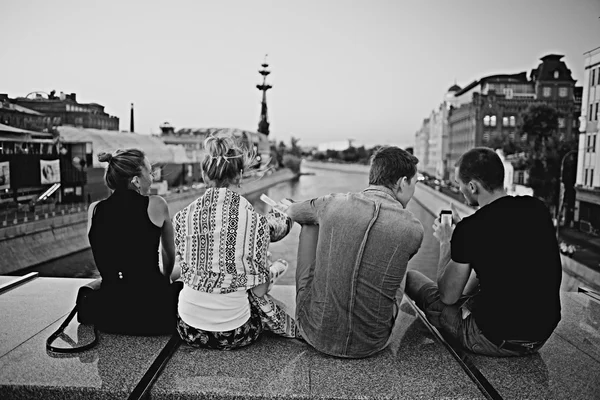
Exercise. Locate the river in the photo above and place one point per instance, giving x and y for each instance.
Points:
(81, 265)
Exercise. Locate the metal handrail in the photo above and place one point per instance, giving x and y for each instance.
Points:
(11, 216)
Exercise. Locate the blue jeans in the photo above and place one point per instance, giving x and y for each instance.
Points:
(457, 322)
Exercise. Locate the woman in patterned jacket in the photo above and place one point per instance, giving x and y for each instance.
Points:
(222, 248)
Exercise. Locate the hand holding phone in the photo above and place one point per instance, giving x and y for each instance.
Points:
(446, 217)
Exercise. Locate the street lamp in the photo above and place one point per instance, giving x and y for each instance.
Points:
(561, 191)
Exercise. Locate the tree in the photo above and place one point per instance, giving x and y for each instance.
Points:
(544, 149)
(509, 144)
(295, 149)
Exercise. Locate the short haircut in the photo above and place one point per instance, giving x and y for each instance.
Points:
(483, 165)
(389, 164)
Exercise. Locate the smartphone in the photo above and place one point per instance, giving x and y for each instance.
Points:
(268, 200)
(446, 217)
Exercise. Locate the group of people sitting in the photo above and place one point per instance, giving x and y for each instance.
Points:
(499, 272)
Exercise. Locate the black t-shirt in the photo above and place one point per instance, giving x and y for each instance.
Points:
(511, 245)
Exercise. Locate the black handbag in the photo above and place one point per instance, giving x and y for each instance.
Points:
(85, 306)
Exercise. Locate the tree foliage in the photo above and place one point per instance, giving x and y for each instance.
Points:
(542, 149)
(538, 138)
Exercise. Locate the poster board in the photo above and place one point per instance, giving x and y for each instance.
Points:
(4, 175)
(50, 171)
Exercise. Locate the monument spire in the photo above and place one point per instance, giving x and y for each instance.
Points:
(263, 124)
(131, 122)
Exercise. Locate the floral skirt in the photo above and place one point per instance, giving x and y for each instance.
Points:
(266, 313)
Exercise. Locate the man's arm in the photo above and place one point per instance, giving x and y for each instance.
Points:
(307, 212)
(452, 277)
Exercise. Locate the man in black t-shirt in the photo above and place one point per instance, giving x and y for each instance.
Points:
(499, 271)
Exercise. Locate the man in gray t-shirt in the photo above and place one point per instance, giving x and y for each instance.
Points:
(353, 253)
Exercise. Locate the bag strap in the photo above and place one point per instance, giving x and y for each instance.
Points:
(60, 331)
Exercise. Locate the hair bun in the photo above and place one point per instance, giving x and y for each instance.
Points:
(105, 157)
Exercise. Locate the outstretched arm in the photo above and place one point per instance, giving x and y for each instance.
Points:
(307, 212)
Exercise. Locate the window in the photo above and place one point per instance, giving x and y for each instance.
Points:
(486, 137)
(594, 144)
(593, 77)
(589, 142)
(504, 121)
(493, 118)
(591, 177)
(556, 74)
(563, 91)
(561, 122)
(574, 123)
(513, 120)
(591, 112)
(486, 120)
(585, 180)
(547, 91)
(596, 113)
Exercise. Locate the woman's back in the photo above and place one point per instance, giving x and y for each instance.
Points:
(124, 241)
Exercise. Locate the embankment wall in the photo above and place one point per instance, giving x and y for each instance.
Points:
(25, 245)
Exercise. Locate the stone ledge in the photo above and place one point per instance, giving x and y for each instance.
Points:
(415, 365)
(566, 367)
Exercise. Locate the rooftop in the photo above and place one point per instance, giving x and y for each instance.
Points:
(109, 141)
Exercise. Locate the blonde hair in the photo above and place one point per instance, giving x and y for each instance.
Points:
(225, 160)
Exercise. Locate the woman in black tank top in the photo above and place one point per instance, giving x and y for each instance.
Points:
(125, 231)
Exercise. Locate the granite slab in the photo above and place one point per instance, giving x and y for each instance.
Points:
(566, 367)
(415, 365)
(110, 370)
(5, 279)
(33, 306)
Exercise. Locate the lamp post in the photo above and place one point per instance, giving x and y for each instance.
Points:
(561, 190)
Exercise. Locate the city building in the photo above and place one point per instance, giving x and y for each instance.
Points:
(23, 118)
(65, 110)
(587, 184)
(439, 144)
(169, 162)
(421, 149)
(33, 163)
(493, 105)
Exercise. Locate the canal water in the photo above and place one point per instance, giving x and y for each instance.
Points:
(81, 264)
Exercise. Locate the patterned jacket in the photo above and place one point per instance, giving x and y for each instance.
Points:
(221, 242)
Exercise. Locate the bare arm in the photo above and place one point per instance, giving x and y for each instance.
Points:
(452, 280)
(158, 211)
(91, 209)
(280, 224)
(452, 277)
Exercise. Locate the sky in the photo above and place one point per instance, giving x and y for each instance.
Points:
(364, 70)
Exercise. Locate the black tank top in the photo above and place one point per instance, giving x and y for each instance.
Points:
(125, 242)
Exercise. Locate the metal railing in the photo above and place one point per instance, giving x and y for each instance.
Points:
(11, 215)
